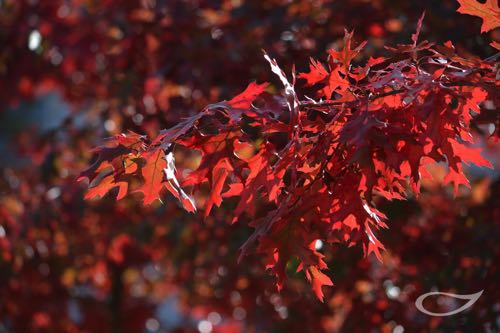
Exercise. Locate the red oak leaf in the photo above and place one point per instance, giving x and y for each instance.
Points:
(219, 174)
(346, 55)
(317, 73)
(245, 99)
(152, 173)
(489, 12)
(318, 280)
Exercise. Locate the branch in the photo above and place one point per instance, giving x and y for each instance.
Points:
(493, 57)
(332, 103)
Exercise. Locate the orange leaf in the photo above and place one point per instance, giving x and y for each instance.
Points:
(219, 175)
(318, 280)
(104, 186)
(153, 175)
(489, 12)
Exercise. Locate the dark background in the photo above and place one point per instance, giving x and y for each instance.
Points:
(73, 72)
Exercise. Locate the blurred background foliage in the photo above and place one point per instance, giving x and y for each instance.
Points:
(76, 71)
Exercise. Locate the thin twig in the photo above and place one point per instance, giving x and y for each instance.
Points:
(332, 103)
